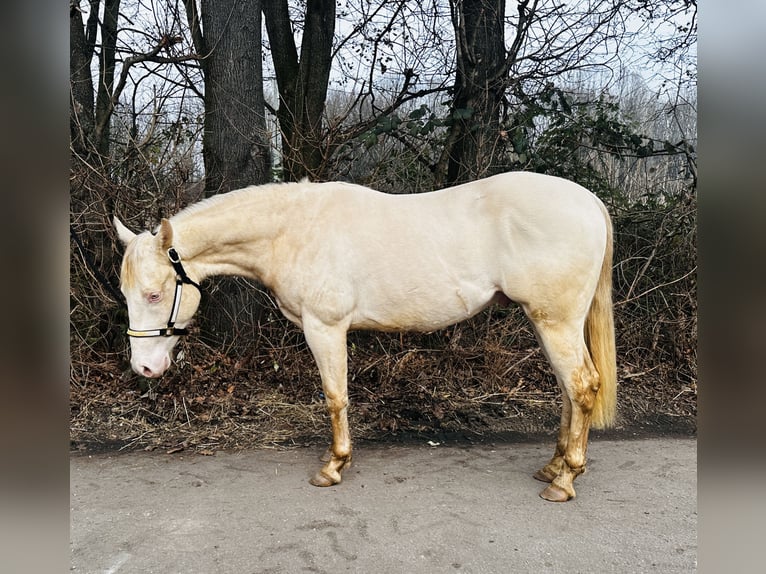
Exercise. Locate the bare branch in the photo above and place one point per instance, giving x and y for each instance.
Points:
(152, 56)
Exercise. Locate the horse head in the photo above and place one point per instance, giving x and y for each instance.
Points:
(152, 278)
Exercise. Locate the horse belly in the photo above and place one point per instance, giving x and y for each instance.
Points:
(422, 308)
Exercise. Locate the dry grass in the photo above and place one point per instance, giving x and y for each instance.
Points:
(482, 379)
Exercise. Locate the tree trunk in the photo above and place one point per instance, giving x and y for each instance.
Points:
(473, 140)
(91, 202)
(89, 116)
(81, 110)
(302, 83)
(104, 102)
(235, 142)
(90, 124)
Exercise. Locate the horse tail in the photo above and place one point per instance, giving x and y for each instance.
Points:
(599, 337)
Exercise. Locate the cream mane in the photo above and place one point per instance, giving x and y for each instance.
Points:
(238, 196)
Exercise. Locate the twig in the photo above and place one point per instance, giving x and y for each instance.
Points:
(517, 363)
(135, 440)
(183, 401)
(660, 286)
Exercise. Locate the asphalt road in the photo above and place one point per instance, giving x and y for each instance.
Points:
(400, 509)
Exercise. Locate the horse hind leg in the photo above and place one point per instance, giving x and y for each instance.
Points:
(564, 345)
(551, 470)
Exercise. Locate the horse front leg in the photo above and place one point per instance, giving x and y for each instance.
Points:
(328, 345)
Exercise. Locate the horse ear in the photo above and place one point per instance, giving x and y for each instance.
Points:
(165, 235)
(124, 234)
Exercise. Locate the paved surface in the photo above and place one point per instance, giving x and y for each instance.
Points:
(400, 509)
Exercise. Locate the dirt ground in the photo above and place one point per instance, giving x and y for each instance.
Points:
(206, 469)
(427, 508)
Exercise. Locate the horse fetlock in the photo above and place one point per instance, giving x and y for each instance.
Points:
(575, 466)
(550, 471)
(339, 462)
(326, 455)
(330, 473)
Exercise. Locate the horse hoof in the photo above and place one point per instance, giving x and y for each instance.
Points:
(321, 479)
(555, 494)
(543, 476)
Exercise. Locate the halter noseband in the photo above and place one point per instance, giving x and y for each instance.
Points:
(181, 278)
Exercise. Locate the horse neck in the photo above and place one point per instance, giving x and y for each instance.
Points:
(230, 234)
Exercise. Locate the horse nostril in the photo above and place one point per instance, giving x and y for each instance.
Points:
(146, 371)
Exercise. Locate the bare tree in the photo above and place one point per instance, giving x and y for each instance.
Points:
(133, 66)
(94, 103)
(235, 144)
(493, 81)
(481, 79)
(90, 112)
(89, 124)
(302, 82)
(81, 107)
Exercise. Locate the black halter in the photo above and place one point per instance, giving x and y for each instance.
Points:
(181, 278)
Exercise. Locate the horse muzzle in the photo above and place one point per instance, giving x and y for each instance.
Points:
(150, 369)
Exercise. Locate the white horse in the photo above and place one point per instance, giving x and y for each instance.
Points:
(339, 257)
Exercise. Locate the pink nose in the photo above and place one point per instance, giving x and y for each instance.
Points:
(148, 372)
(151, 369)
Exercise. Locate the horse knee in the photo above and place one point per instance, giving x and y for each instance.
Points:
(336, 402)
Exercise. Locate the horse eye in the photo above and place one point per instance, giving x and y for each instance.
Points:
(154, 297)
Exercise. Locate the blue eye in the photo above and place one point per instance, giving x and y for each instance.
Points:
(154, 297)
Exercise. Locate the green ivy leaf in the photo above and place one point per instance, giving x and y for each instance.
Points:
(462, 113)
(418, 113)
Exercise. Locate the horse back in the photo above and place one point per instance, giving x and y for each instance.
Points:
(424, 261)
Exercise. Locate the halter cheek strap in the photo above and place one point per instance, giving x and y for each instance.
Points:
(181, 279)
